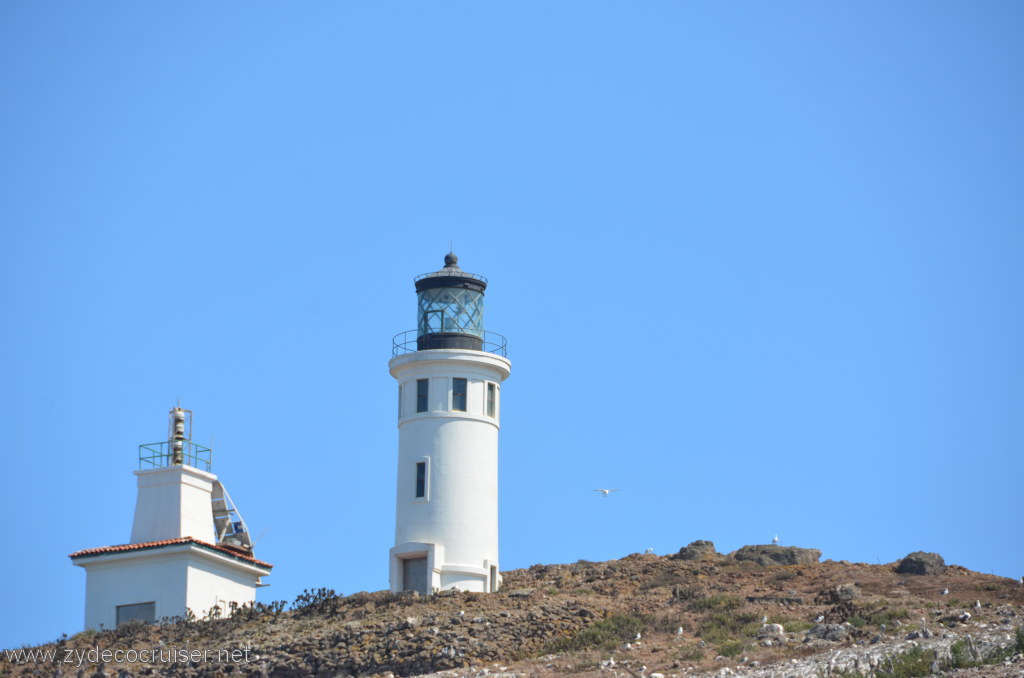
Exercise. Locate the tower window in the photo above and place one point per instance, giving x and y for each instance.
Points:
(422, 390)
(459, 394)
(492, 395)
(421, 479)
(399, 401)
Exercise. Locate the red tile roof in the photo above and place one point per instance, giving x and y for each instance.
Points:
(240, 555)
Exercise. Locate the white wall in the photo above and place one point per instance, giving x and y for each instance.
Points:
(176, 577)
(460, 511)
(173, 502)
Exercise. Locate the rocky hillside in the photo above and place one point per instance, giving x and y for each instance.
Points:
(761, 611)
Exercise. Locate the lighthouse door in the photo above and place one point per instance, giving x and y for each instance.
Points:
(414, 575)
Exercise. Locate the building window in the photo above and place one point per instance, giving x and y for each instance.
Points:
(422, 390)
(142, 611)
(459, 394)
(421, 479)
(492, 396)
(400, 401)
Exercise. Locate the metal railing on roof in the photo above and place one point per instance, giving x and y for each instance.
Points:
(159, 455)
(491, 342)
(450, 274)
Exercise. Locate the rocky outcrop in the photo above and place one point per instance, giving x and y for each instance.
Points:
(697, 550)
(772, 554)
(830, 632)
(920, 562)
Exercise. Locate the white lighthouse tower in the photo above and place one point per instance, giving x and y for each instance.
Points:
(449, 371)
(190, 550)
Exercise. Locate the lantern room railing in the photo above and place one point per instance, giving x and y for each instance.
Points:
(159, 455)
(491, 342)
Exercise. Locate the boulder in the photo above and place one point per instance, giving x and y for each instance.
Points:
(771, 630)
(847, 592)
(773, 554)
(830, 632)
(697, 550)
(920, 562)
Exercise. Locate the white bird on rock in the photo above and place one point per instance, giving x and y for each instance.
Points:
(965, 617)
(637, 637)
(605, 493)
(820, 619)
(764, 619)
(945, 592)
(648, 552)
(977, 605)
(679, 631)
(775, 539)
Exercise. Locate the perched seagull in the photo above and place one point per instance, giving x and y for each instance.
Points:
(702, 643)
(882, 627)
(679, 631)
(637, 637)
(764, 619)
(649, 552)
(605, 492)
(820, 619)
(977, 605)
(462, 613)
(775, 539)
(965, 617)
(945, 592)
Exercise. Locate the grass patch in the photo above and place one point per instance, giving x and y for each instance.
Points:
(796, 626)
(915, 663)
(693, 653)
(715, 603)
(857, 622)
(720, 627)
(888, 616)
(605, 634)
(731, 648)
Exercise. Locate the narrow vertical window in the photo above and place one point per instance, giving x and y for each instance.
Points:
(421, 479)
(491, 396)
(422, 390)
(400, 401)
(459, 394)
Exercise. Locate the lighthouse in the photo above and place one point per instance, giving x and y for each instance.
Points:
(189, 551)
(449, 372)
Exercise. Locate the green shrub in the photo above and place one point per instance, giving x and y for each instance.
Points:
(719, 627)
(715, 603)
(796, 626)
(605, 634)
(857, 622)
(731, 648)
(915, 663)
(887, 616)
(691, 653)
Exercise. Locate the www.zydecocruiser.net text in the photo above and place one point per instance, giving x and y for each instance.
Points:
(156, 655)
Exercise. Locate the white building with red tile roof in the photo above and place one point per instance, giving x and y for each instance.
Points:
(190, 551)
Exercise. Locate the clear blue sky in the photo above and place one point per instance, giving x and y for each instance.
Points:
(760, 265)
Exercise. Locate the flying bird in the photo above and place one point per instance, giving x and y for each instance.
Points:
(605, 492)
